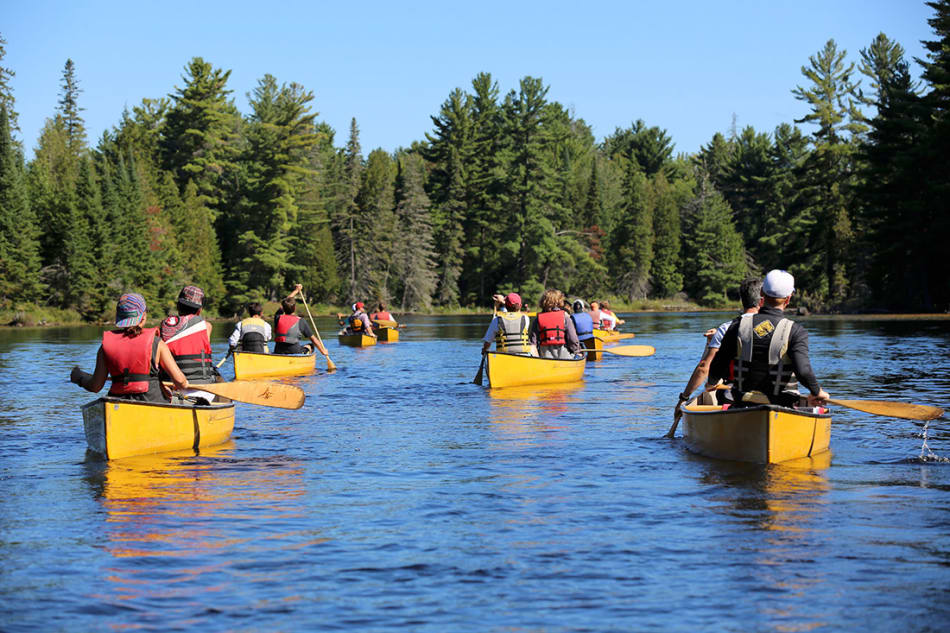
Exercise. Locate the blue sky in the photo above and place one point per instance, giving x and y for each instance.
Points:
(685, 66)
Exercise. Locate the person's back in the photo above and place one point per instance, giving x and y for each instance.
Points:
(553, 331)
(188, 339)
(131, 358)
(252, 333)
(289, 329)
(509, 329)
(381, 314)
(583, 322)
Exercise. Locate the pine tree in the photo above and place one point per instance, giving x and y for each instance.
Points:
(345, 220)
(714, 261)
(69, 110)
(633, 241)
(414, 255)
(314, 245)
(19, 248)
(7, 99)
(665, 268)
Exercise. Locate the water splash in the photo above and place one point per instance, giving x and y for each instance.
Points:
(927, 455)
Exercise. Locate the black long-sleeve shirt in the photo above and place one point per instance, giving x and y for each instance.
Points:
(759, 371)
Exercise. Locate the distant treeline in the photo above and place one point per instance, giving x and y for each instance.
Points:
(507, 192)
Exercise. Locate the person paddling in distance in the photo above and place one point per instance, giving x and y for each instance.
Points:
(608, 317)
(750, 294)
(382, 314)
(552, 330)
(251, 334)
(508, 327)
(290, 329)
(131, 356)
(358, 322)
(769, 352)
(188, 336)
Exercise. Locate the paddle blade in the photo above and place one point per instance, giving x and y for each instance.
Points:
(260, 392)
(890, 409)
(631, 350)
(481, 369)
(385, 322)
(331, 366)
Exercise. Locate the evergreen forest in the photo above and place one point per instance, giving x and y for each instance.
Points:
(508, 191)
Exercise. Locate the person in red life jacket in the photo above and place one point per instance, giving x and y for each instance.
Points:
(595, 315)
(290, 329)
(358, 322)
(750, 293)
(552, 330)
(188, 336)
(382, 314)
(608, 316)
(509, 327)
(131, 356)
(767, 354)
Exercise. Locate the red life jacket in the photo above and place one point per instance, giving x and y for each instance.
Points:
(129, 360)
(288, 329)
(551, 329)
(595, 317)
(187, 339)
(381, 316)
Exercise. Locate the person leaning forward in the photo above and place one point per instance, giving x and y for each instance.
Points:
(509, 328)
(131, 356)
(769, 352)
(290, 329)
(750, 293)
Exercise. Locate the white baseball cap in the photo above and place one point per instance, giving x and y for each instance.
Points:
(778, 284)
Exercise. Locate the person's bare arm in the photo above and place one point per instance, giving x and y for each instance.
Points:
(295, 292)
(95, 381)
(319, 345)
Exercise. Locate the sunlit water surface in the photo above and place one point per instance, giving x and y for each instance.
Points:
(404, 497)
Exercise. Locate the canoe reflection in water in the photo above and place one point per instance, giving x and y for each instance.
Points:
(536, 407)
(181, 508)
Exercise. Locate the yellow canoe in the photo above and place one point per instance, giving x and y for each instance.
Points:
(117, 428)
(612, 336)
(764, 434)
(387, 334)
(594, 343)
(513, 370)
(356, 340)
(253, 365)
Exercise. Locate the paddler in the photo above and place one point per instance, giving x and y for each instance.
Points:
(290, 329)
(770, 352)
(382, 314)
(583, 323)
(750, 294)
(358, 322)
(132, 356)
(251, 334)
(188, 336)
(552, 330)
(509, 327)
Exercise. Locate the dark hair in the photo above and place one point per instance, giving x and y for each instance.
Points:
(132, 331)
(380, 307)
(288, 305)
(255, 309)
(750, 291)
(185, 310)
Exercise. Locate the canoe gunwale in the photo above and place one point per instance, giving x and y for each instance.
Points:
(170, 405)
(759, 407)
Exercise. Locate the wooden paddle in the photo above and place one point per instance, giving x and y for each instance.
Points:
(331, 366)
(626, 350)
(891, 409)
(481, 366)
(385, 323)
(261, 392)
(620, 337)
(221, 362)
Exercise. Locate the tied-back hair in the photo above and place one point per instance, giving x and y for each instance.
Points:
(750, 290)
(288, 305)
(132, 331)
(551, 299)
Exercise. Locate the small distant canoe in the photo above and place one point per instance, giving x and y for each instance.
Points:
(253, 365)
(356, 340)
(387, 334)
(612, 336)
(513, 370)
(117, 428)
(596, 344)
(763, 434)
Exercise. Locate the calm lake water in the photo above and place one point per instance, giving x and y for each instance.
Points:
(404, 497)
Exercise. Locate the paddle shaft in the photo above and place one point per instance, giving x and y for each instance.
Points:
(330, 364)
(481, 366)
(259, 392)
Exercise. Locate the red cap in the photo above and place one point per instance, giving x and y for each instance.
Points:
(513, 300)
(359, 305)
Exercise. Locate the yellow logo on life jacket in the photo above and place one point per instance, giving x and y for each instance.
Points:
(764, 328)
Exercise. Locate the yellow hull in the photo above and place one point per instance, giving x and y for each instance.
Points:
(117, 428)
(356, 340)
(607, 336)
(594, 343)
(512, 370)
(764, 434)
(387, 334)
(252, 365)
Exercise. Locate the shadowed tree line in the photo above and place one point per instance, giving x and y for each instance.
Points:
(508, 191)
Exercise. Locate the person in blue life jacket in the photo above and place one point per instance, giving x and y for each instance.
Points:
(765, 356)
(552, 330)
(290, 329)
(583, 322)
(509, 327)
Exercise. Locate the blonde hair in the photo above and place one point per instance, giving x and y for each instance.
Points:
(551, 299)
